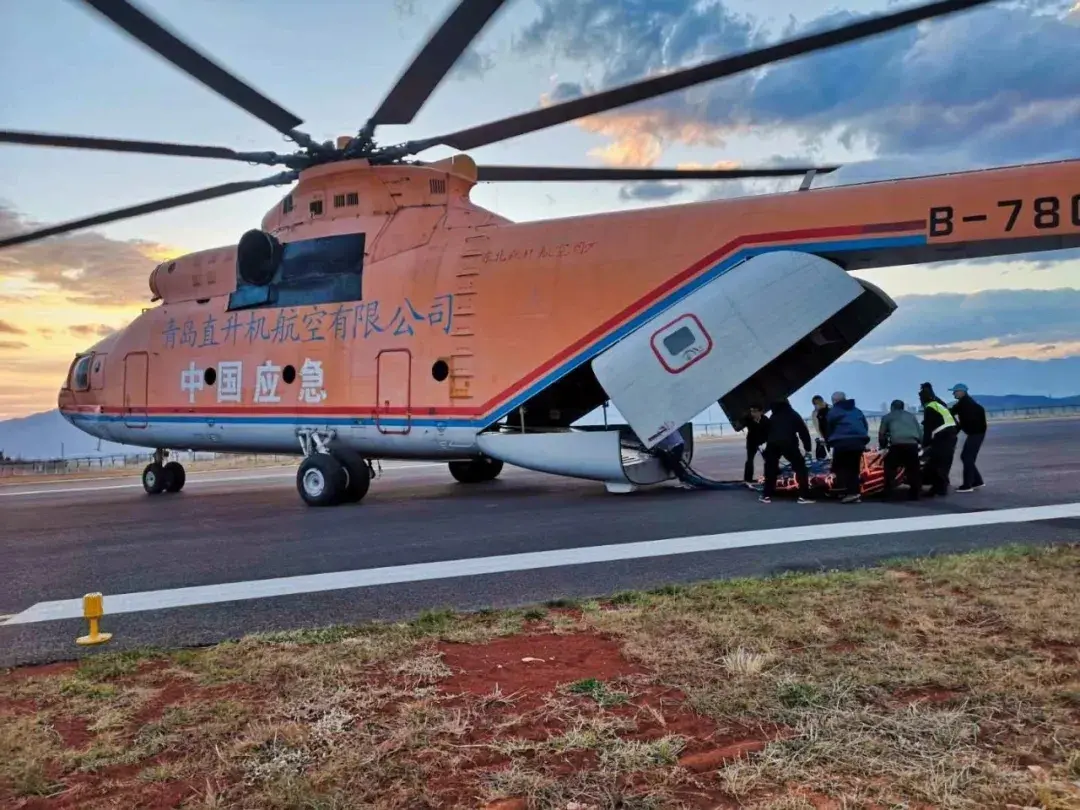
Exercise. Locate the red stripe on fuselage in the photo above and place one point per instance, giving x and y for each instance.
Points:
(617, 320)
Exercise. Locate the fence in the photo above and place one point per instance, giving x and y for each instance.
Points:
(199, 460)
(718, 429)
(136, 461)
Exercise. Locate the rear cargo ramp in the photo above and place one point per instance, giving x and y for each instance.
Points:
(757, 332)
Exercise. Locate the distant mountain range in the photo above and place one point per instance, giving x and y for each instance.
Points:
(999, 383)
(870, 384)
(48, 435)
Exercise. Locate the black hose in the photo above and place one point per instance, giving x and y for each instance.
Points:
(689, 476)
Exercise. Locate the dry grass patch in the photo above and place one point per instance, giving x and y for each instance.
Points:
(950, 683)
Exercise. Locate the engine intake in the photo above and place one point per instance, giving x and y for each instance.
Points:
(257, 257)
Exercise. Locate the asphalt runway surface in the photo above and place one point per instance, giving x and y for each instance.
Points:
(420, 540)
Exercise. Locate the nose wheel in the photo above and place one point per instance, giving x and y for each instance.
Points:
(161, 476)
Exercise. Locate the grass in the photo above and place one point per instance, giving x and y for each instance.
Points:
(950, 683)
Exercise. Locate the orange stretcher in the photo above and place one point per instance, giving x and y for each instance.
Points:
(823, 481)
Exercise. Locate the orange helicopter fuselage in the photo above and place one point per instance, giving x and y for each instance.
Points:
(465, 317)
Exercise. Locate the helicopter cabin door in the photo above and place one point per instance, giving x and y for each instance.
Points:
(393, 391)
(136, 381)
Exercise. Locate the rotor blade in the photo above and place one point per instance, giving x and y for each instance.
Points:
(148, 208)
(434, 61)
(650, 88)
(570, 173)
(141, 147)
(155, 36)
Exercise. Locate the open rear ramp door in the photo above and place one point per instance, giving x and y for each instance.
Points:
(724, 333)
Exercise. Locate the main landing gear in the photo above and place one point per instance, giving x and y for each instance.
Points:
(329, 476)
(476, 470)
(161, 476)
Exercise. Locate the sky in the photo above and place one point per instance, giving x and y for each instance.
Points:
(994, 86)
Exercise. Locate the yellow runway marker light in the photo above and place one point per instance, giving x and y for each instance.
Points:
(93, 610)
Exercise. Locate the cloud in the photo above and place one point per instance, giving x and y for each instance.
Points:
(651, 190)
(471, 65)
(91, 330)
(13, 344)
(974, 350)
(10, 329)
(88, 267)
(956, 86)
(1036, 261)
(992, 323)
(39, 380)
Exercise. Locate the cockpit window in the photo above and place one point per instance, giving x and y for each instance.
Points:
(80, 373)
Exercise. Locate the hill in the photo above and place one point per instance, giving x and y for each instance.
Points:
(48, 435)
(873, 383)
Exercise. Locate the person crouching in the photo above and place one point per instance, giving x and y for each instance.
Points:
(939, 440)
(899, 436)
(786, 428)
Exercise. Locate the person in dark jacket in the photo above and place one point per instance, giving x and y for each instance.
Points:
(971, 417)
(939, 441)
(900, 436)
(849, 434)
(757, 434)
(786, 429)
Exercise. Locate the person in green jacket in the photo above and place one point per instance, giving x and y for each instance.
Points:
(900, 435)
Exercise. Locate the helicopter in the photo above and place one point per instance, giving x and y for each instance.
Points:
(378, 313)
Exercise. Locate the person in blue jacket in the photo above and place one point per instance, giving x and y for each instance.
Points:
(849, 436)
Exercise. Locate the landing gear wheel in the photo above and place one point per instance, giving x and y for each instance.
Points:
(175, 476)
(359, 475)
(477, 470)
(154, 478)
(321, 480)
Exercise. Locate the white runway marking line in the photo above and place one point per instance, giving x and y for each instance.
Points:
(418, 572)
(58, 489)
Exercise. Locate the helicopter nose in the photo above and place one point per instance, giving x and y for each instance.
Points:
(64, 403)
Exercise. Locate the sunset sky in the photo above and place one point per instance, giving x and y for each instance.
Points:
(989, 87)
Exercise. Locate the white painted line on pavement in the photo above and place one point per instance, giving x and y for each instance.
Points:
(558, 558)
(57, 490)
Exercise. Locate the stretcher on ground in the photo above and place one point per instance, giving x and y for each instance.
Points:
(823, 481)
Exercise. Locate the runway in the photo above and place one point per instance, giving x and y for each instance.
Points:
(206, 564)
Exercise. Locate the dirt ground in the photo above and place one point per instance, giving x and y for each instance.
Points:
(945, 683)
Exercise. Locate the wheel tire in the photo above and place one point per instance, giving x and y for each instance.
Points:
(175, 476)
(358, 473)
(154, 479)
(321, 480)
(476, 470)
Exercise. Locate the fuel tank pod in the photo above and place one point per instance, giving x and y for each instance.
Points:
(756, 332)
(613, 455)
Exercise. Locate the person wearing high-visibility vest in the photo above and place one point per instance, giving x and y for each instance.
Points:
(939, 441)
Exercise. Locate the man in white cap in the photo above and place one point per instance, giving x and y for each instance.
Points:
(971, 419)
